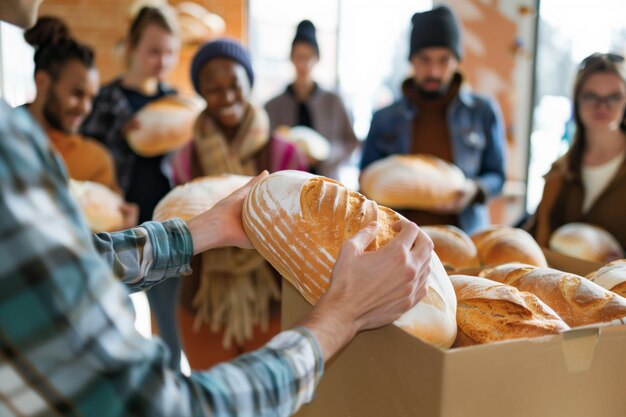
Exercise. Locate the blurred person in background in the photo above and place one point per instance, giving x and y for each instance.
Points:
(219, 319)
(152, 47)
(436, 116)
(588, 184)
(305, 103)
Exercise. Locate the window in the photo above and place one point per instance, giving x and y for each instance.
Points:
(569, 30)
(16, 65)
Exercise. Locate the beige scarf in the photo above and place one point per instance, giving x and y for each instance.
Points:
(236, 285)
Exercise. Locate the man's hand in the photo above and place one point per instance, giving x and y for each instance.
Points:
(130, 125)
(130, 214)
(464, 198)
(221, 225)
(371, 289)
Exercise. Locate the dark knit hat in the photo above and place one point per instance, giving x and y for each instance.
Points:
(220, 48)
(306, 33)
(436, 27)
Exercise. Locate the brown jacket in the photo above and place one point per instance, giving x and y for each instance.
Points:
(562, 203)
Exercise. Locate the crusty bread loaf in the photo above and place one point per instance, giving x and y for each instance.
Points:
(612, 277)
(189, 200)
(311, 143)
(454, 248)
(506, 273)
(499, 244)
(586, 241)
(100, 205)
(577, 300)
(412, 182)
(488, 311)
(164, 125)
(299, 222)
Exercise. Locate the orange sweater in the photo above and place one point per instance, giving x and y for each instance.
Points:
(86, 159)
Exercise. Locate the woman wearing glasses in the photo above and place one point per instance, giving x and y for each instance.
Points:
(588, 184)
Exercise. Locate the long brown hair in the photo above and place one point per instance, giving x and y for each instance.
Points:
(593, 64)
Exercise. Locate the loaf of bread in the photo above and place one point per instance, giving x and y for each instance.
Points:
(99, 204)
(189, 200)
(165, 124)
(586, 241)
(612, 277)
(488, 311)
(454, 248)
(506, 273)
(577, 300)
(412, 182)
(299, 221)
(311, 143)
(498, 245)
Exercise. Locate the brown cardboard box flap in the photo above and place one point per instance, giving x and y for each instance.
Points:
(387, 372)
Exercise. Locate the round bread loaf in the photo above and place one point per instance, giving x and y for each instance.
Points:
(612, 277)
(499, 244)
(311, 143)
(506, 273)
(299, 222)
(586, 241)
(165, 124)
(193, 198)
(577, 300)
(412, 182)
(488, 311)
(454, 248)
(100, 205)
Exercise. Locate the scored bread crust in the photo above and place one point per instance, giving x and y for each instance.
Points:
(299, 223)
(488, 311)
(577, 300)
(612, 277)
(412, 181)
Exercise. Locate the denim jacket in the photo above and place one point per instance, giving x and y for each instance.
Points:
(478, 144)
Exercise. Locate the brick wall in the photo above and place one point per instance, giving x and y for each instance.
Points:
(102, 24)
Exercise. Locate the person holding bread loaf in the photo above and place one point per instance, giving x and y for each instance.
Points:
(66, 324)
(152, 51)
(437, 116)
(230, 304)
(305, 103)
(588, 184)
(66, 80)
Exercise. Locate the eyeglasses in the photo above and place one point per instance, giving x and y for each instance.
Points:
(591, 100)
(593, 58)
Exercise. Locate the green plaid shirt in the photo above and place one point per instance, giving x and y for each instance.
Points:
(68, 346)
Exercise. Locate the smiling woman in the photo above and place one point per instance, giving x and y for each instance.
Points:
(233, 293)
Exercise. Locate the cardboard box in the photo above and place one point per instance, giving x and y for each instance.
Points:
(570, 264)
(388, 373)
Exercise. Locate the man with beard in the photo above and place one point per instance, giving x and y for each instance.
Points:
(67, 82)
(436, 116)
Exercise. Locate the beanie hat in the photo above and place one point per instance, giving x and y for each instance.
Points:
(436, 27)
(220, 48)
(306, 33)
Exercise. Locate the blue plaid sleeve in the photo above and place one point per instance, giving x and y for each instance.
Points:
(68, 346)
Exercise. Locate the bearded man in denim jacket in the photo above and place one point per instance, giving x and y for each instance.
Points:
(436, 116)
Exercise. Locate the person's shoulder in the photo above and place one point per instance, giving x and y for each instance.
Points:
(94, 149)
(278, 100)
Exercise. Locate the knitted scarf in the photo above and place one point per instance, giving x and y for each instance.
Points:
(236, 285)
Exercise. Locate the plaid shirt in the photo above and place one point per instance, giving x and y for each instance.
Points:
(67, 341)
